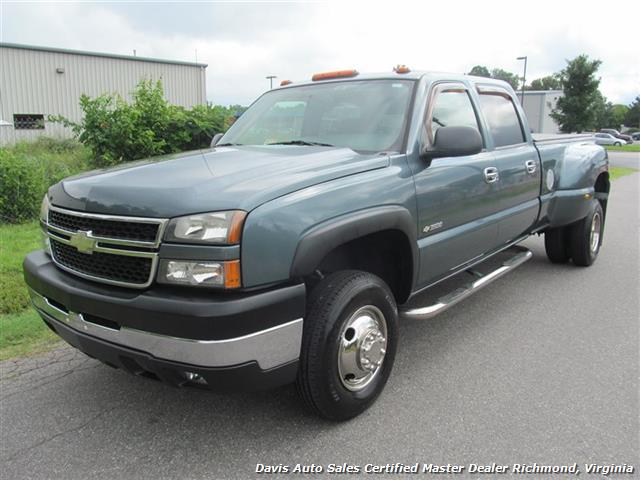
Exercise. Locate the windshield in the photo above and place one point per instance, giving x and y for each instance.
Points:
(368, 116)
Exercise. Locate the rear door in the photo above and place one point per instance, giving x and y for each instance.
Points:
(517, 161)
(457, 196)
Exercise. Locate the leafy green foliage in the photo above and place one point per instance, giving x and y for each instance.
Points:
(27, 169)
(511, 78)
(480, 71)
(550, 82)
(577, 109)
(632, 118)
(117, 131)
(498, 73)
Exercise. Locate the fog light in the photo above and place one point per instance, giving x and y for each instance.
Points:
(192, 273)
(195, 378)
(200, 273)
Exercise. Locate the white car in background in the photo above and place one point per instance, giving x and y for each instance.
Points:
(607, 139)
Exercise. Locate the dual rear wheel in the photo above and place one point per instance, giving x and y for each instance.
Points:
(579, 242)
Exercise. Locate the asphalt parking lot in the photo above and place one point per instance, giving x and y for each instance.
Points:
(624, 159)
(541, 366)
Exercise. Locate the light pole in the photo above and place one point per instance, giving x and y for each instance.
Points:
(270, 78)
(524, 78)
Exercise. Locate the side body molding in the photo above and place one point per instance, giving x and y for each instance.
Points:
(316, 243)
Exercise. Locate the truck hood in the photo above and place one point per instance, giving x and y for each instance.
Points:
(225, 178)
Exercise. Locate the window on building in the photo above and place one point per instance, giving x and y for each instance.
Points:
(503, 120)
(27, 121)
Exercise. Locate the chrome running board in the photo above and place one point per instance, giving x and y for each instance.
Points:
(449, 300)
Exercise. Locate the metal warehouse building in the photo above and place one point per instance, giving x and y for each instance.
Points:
(537, 107)
(39, 81)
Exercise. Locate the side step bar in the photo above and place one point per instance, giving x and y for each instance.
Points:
(449, 300)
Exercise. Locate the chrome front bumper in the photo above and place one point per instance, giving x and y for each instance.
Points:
(270, 348)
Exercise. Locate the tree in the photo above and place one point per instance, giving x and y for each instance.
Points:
(618, 114)
(510, 78)
(550, 82)
(602, 112)
(632, 118)
(576, 110)
(480, 71)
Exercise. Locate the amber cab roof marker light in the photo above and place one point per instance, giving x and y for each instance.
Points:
(401, 69)
(335, 74)
(284, 83)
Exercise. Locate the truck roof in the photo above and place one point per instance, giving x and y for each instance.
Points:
(412, 75)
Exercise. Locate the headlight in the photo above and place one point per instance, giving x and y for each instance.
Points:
(44, 216)
(44, 209)
(223, 228)
(200, 273)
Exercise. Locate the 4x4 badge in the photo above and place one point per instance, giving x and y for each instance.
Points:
(83, 241)
(432, 227)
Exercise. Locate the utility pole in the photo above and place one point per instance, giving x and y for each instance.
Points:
(524, 78)
(270, 78)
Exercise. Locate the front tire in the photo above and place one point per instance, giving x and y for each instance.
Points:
(586, 236)
(349, 343)
(617, 144)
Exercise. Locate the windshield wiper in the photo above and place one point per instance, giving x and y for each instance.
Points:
(302, 142)
(228, 145)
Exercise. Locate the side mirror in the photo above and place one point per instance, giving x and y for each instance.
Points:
(455, 142)
(216, 138)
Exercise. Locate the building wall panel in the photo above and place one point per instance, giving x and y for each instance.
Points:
(30, 84)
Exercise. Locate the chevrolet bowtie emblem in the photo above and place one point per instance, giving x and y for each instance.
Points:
(83, 241)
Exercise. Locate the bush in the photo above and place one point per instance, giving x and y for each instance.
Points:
(117, 131)
(28, 169)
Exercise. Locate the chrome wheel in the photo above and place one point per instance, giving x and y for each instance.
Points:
(594, 236)
(362, 347)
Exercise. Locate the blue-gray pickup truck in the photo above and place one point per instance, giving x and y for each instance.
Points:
(289, 250)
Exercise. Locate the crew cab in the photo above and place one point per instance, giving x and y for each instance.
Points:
(289, 250)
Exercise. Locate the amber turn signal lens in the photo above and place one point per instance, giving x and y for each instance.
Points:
(284, 83)
(232, 274)
(336, 74)
(401, 69)
(235, 229)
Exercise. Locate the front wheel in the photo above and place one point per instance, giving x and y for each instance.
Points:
(349, 343)
(617, 144)
(586, 236)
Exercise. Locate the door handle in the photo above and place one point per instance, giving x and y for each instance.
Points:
(491, 175)
(531, 166)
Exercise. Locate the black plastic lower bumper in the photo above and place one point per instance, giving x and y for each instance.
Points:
(245, 377)
(199, 314)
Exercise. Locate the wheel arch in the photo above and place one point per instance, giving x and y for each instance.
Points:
(380, 240)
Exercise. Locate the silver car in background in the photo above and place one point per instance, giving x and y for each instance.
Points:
(607, 139)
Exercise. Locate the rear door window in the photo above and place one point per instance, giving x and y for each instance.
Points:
(503, 120)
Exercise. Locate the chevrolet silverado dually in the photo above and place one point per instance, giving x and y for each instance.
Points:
(288, 251)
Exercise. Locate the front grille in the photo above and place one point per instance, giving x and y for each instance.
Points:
(119, 268)
(136, 231)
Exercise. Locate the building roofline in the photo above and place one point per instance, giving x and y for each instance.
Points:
(99, 54)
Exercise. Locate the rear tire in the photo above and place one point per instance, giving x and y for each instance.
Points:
(348, 345)
(556, 244)
(586, 236)
(617, 144)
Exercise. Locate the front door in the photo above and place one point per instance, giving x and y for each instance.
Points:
(457, 196)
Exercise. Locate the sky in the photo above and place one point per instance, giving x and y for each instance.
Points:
(242, 42)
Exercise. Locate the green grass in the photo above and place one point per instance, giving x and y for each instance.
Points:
(617, 172)
(15, 242)
(24, 334)
(624, 148)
